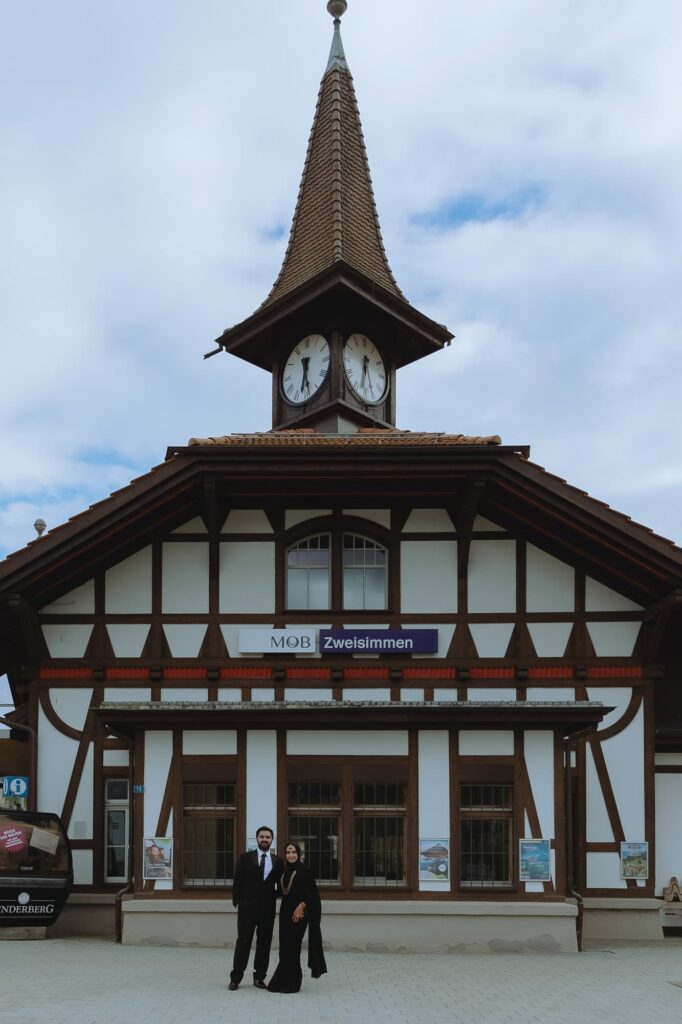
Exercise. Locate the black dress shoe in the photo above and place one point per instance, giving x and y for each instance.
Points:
(259, 983)
(233, 986)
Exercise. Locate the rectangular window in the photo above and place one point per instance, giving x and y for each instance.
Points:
(486, 824)
(379, 813)
(208, 850)
(116, 830)
(314, 809)
(308, 566)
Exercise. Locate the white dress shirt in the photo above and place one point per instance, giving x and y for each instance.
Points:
(267, 867)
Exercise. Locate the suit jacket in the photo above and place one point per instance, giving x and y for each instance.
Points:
(248, 889)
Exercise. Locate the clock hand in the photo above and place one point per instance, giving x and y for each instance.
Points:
(305, 362)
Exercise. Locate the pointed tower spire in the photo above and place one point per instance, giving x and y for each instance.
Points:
(336, 217)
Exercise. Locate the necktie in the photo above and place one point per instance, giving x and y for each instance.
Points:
(262, 867)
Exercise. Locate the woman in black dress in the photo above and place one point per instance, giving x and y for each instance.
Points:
(300, 908)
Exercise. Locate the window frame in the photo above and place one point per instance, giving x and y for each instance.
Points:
(206, 769)
(336, 526)
(349, 771)
(490, 775)
(115, 805)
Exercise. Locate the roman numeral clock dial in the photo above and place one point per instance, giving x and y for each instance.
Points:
(306, 369)
(365, 369)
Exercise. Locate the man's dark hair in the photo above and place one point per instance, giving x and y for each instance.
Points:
(265, 828)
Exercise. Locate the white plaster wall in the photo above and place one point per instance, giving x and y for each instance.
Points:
(247, 577)
(127, 694)
(474, 742)
(72, 705)
(184, 585)
(673, 759)
(262, 694)
(598, 825)
(128, 640)
(376, 693)
(539, 886)
(668, 828)
(294, 516)
(550, 638)
(211, 742)
(599, 598)
(229, 694)
(56, 755)
(115, 758)
(382, 516)
(445, 634)
(492, 576)
(550, 584)
(539, 755)
(490, 693)
(231, 638)
(558, 693)
(185, 638)
(428, 520)
(624, 756)
(261, 781)
(67, 641)
(195, 694)
(80, 601)
(433, 753)
(158, 753)
(445, 694)
(483, 524)
(81, 824)
(128, 585)
(247, 520)
(195, 525)
(428, 576)
(82, 867)
(617, 697)
(411, 694)
(296, 693)
(613, 639)
(352, 743)
(603, 871)
(491, 638)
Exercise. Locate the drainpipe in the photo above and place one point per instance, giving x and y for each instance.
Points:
(131, 829)
(570, 866)
(33, 757)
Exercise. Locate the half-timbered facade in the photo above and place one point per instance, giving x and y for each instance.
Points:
(411, 652)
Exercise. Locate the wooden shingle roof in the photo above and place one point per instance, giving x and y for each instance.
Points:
(335, 218)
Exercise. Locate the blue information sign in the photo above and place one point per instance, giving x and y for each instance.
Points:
(15, 785)
(378, 641)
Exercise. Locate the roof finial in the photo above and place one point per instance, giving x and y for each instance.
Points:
(337, 8)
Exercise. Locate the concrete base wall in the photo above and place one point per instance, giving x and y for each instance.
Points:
(359, 926)
(620, 918)
(86, 914)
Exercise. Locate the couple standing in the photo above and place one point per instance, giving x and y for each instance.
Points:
(259, 878)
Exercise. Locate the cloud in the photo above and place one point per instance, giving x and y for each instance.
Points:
(526, 159)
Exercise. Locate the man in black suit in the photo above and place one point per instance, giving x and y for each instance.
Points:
(254, 894)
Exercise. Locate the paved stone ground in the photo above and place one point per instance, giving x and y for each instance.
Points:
(92, 981)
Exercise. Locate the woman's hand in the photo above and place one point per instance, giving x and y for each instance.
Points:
(299, 913)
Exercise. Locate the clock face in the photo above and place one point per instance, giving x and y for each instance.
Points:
(305, 369)
(365, 369)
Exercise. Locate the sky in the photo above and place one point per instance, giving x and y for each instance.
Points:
(526, 158)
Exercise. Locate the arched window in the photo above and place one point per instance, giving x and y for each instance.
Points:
(308, 573)
(364, 573)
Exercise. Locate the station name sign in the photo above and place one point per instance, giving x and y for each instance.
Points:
(378, 641)
(338, 641)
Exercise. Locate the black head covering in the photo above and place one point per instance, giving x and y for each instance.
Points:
(291, 866)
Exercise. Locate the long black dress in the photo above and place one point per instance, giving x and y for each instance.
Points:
(301, 889)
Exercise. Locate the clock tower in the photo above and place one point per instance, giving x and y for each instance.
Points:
(335, 327)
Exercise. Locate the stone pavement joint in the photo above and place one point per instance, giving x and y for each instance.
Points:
(97, 982)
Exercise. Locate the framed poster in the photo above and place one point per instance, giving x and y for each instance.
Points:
(158, 858)
(534, 860)
(434, 860)
(634, 860)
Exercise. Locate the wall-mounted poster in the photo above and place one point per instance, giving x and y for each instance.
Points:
(158, 858)
(434, 860)
(634, 860)
(534, 862)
